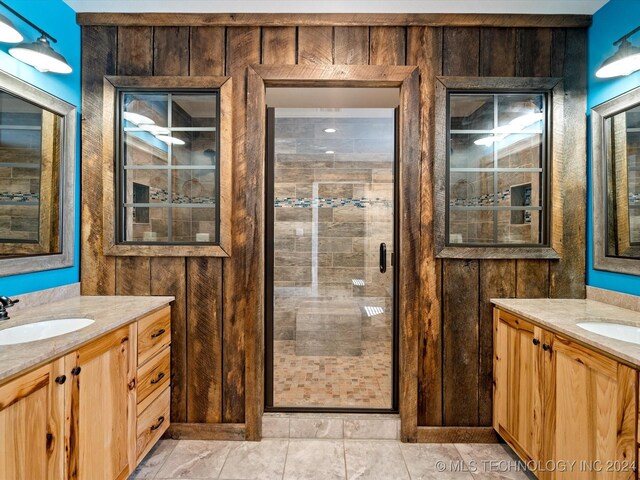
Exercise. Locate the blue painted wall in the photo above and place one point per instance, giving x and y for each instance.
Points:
(612, 21)
(57, 19)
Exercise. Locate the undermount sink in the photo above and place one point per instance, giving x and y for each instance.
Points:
(42, 330)
(612, 329)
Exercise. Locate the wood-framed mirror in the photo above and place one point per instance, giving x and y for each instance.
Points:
(37, 178)
(615, 127)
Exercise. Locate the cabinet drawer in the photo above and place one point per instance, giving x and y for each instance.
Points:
(154, 333)
(152, 423)
(154, 375)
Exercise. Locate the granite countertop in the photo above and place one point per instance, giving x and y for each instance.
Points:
(561, 316)
(109, 313)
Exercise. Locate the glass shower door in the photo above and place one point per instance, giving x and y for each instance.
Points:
(330, 270)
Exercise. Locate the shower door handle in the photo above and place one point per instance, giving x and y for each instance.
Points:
(383, 257)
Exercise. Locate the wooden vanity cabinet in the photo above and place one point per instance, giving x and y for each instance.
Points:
(100, 390)
(558, 401)
(32, 425)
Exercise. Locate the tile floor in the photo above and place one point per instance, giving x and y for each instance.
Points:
(362, 381)
(300, 459)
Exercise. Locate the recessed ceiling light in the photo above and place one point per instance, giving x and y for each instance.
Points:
(329, 152)
(170, 140)
(330, 130)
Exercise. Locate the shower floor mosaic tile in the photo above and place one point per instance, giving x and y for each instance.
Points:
(362, 381)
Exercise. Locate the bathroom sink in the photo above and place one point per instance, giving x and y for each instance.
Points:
(42, 330)
(612, 329)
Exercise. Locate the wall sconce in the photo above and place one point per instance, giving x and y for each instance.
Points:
(39, 54)
(624, 62)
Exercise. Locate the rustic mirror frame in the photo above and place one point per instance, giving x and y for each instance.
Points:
(68, 113)
(599, 114)
(554, 87)
(111, 86)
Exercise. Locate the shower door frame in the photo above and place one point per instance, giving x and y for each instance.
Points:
(408, 210)
(269, 287)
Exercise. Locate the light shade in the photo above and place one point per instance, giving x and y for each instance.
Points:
(8, 32)
(624, 62)
(41, 56)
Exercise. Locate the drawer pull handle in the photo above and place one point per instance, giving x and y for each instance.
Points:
(157, 425)
(158, 333)
(158, 378)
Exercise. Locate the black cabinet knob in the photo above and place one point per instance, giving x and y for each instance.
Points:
(536, 342)
(76, 370)
(61, 379)
(546, 347)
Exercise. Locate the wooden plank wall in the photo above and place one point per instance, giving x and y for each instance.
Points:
(215, 296)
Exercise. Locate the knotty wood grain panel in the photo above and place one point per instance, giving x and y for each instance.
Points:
(533, 52)
(331, 19)
(387, 45)
(135, 50)
(98, 273)
(243, 272)
(171, 51)
(497, 280)
(424, 49)
(351, 45)
(461, 54)
(207, 51)
(133, 276)
(567, 276)
(168, 277)
(497, 52)
(279, 45)
(315, 45)
(460, 349)
(204, 350)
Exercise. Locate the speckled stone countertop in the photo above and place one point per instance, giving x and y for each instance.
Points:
(561, 316)
(109, 313)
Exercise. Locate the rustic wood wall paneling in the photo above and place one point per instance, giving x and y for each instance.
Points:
(168, 275)
(204, 332)
(460, 288)
(424, 49)
(460, 342)
(497, 277)
(279, 45)
(567, 276)
(533, 52)
(207, 51)
(315, 45)
(135, 57)
(387, 45)
(243, 272)
(351, 45)
(98, 273)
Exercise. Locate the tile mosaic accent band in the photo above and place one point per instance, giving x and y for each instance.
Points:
(19, 197)
(162, 196)
(481, 201)
(328, 202)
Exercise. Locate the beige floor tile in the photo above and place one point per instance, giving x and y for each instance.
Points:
(315, 460)
(429, 461)
(195, 459)
(492, 461)
(374, 460)
(151, 464)
(256, 460)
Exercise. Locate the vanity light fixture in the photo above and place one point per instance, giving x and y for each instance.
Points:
(330, 130)
(39, 54)
(8, 32)
(624, 62)
(137, 119)
(169, 140)
(329, 152)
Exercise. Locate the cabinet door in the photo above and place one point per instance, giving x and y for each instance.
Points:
(594, 406)
(99, 408)
(32, 426)
(518, 384)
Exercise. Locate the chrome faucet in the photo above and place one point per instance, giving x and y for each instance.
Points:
(6, 302)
